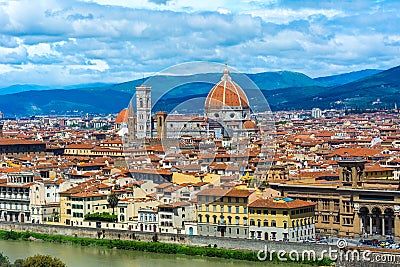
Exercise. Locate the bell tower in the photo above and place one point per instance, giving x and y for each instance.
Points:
(351, 172)
(143, 111)
(161, 117)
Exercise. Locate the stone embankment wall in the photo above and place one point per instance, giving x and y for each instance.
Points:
(228, 243)
(201, 241)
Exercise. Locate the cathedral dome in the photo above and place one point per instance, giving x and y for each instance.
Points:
(122, 116)
(226, 93)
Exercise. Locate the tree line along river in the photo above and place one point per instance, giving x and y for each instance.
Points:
(78, 256)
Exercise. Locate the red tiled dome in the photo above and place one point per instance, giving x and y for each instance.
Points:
(122, 116)
(226, 93)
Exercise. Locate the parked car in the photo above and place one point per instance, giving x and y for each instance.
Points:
(374, 242)
(363, 241)
(394, 246)
(390, 241)
(382, 244)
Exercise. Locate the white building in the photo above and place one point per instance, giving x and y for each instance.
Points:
(316, 113)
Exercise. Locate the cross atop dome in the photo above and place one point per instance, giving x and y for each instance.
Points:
(226, 77)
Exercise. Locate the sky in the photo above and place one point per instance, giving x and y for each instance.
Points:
(58, 43)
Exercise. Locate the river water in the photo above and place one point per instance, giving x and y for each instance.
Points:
(78, 256)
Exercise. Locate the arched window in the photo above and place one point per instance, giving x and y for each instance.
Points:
(141, 103)
(266, 223)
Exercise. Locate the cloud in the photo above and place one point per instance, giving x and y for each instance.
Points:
(59, 43)
(160, 2)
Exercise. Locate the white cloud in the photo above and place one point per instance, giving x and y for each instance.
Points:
(68, 42)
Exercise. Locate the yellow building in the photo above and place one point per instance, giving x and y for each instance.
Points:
(79, 149)
(74, 206)
(180, 178)
(223, 212)
(282, 219)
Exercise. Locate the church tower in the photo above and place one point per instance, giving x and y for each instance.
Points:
(131, 123)
(143, 111)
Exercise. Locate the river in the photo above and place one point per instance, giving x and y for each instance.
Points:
(78, 256)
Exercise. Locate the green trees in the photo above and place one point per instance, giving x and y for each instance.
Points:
(33, 261)
(112, 201)
(42, 261)
(4, 262)
(105, 217)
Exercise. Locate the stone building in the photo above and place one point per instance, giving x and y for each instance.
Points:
(356, 206)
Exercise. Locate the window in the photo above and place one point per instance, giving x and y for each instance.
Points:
(252, 223)
(237, 209)
(237, 220)
(266, 223)
(229, 209)
(273, 223)
(244, 209)
(214, 208)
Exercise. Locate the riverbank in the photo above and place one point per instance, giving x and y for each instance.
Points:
(155, 247)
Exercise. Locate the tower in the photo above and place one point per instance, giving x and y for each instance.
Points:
(143, 111)
(1, 129)
(351, 171)
(131, 123)
(161, 127)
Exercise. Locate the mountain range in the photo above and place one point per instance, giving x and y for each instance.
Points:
(283, 90)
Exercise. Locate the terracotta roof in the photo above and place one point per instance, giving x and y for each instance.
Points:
(280, 204)
(122, 116)
(234, 192)
(213, 192)
(226, 93)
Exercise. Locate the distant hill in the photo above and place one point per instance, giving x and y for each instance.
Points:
(363, 93)
(63, 102)
(344, 78)
(18, 88)
(283, 90)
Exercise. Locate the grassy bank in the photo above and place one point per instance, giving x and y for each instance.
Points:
(156, 247)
